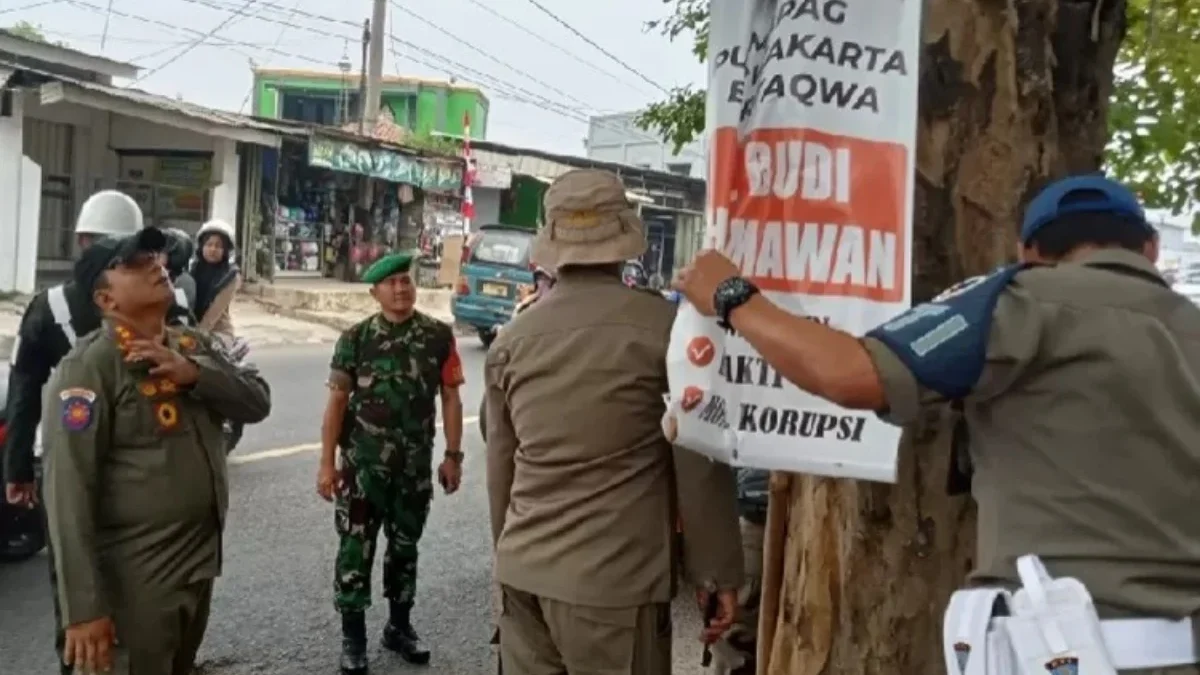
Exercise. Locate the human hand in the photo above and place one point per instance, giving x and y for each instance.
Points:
(88, 647)
(720, 622)
(167, 362)
(21, 494)
(328, 481)
(699, 280)
(450, 475)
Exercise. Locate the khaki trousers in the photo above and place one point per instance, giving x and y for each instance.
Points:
(160, 633)
(540, 636)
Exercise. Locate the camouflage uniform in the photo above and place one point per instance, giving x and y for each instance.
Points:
(387, 439)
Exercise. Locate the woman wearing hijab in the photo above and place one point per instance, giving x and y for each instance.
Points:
(217, 279)
(217, 282)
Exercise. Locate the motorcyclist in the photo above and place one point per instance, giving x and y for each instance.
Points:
(52, 322)
(180, 249)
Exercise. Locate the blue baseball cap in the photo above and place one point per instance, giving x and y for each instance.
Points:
(1080, 194)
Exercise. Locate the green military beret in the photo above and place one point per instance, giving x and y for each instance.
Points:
(394, 263)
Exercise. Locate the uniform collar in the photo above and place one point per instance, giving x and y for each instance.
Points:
(1118, 256)
(586, 276)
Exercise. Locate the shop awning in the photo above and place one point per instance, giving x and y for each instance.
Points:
(632, 196)
(162, 110)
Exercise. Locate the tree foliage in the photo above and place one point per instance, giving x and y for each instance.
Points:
(1154, 113)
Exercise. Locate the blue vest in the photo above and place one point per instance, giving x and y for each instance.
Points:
(944, 342)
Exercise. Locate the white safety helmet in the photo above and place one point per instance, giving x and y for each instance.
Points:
(216, 226)
(109, 213)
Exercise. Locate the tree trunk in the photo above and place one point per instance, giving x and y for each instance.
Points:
(1013, 94)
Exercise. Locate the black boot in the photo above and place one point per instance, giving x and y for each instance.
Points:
(354, 643)
(399, 636)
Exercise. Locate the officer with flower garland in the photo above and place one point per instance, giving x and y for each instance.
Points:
(135, 483)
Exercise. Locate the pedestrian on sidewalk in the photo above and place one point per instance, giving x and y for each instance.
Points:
(583, 515)
(135, 485)
(387, 374)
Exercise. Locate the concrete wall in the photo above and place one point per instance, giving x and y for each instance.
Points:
(616, 138)
(18, 217)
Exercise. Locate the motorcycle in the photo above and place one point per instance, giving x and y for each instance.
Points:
(22, 533)
(238, 351)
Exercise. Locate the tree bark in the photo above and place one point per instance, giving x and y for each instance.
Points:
(1013, 94)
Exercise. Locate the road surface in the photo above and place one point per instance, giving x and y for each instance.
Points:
(273, 612)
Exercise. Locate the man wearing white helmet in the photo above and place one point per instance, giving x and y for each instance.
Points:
(52, 322)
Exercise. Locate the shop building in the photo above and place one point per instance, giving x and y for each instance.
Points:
(511, 183)
(66, 132)
(332, 202)
(420, 105)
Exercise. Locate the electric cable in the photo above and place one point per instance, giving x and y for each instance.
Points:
(196, 43)
(278, 39)
(32, 5)
(396, 5)
(602, 50)
(556, 46)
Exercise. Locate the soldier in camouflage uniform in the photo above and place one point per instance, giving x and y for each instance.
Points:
(386, 375)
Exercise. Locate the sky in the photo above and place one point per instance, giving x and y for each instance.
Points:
(542, 79)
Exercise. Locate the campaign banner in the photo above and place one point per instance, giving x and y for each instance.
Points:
(812, 114)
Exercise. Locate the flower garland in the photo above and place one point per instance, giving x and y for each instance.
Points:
(160, 391)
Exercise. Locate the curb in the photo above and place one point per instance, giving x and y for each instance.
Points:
(338, 323)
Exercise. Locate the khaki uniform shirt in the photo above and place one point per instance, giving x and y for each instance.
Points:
(135, 482)
(1085, 432)
(583, 485)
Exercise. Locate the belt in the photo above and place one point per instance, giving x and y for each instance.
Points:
(1135, 644)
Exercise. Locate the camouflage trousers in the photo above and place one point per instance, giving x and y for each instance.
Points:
(372, 498)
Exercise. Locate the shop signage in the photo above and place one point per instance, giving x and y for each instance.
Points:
(385, 164)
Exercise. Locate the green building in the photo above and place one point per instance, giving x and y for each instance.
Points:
(425, 106)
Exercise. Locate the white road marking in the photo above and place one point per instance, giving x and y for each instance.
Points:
(297, 449)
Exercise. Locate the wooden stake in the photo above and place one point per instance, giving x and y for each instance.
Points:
(774, 550)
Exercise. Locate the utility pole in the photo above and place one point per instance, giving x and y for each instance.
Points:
(375, 64)
(362, 79)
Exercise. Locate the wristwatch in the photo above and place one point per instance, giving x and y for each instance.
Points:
(731, 294)
(455, 455)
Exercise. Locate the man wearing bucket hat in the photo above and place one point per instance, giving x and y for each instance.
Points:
(583, 515)
(1078, 372)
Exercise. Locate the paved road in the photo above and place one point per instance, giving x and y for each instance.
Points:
(273, 613)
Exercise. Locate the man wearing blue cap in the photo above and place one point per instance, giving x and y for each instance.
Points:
(1078, 373)
(387, 374)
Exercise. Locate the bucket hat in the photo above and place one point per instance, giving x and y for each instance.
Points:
(589, 221)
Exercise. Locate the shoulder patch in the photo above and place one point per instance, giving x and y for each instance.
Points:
(944, 342)
(78, 408)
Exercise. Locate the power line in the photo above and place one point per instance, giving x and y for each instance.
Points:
(503, 89)
(488, 56)
(278, 39)
(32, 5)
(602, 50)
(555, 45)
(513, 90)
(198, 41)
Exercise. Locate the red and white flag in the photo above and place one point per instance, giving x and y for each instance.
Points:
(468, 202)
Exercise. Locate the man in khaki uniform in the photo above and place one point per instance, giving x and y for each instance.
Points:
(584, 487)
(135, 481)
(1079, 376)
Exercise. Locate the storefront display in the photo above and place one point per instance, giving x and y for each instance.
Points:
(313, 210)
(173, 190)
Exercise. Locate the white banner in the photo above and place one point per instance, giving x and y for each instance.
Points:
(812, 111)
